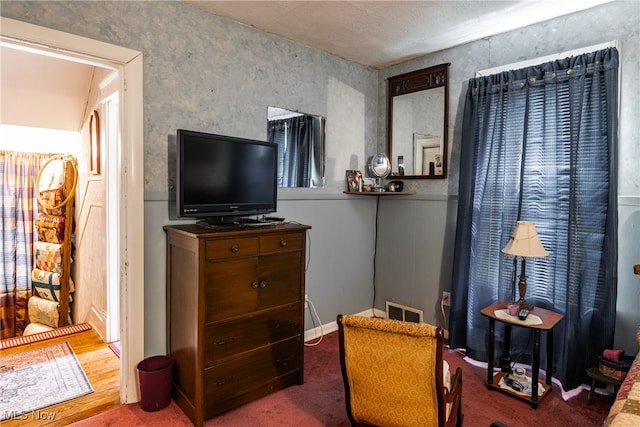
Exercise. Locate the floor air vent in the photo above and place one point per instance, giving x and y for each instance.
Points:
(404, 313)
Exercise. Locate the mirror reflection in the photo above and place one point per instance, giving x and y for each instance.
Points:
(379, 167)
(417, 123)
(300, 139)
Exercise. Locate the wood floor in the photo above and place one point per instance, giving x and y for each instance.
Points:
(101, 366)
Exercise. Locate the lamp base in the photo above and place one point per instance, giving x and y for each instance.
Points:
(522, 289)
(522, 305)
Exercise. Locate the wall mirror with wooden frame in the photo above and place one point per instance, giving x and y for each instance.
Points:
(417, 108)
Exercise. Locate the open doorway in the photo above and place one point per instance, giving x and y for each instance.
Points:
(126, 229)
(80, 99)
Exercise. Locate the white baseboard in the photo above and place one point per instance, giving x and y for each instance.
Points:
(327, 328)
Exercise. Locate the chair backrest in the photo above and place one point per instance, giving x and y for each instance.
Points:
(392, 372)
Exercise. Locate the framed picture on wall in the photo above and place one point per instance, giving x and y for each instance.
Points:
(94, 135)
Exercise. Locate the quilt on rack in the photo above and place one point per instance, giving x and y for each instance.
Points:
(51, 189)
(50, 228)
(48, 257)
(47, 284)
(43, 312)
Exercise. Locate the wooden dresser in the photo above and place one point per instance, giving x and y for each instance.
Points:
(235, 314)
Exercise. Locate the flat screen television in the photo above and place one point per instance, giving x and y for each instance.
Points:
(223, 179)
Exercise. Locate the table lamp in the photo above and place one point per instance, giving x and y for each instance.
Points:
(524, 243)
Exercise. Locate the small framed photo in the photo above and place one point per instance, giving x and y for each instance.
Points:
(354, 181)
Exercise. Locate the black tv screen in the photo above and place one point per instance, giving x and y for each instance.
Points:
(222, 176)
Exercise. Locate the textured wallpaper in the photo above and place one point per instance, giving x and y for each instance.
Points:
(618, 21)
(210, 74)
(205, 73)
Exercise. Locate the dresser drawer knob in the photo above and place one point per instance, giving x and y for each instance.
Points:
(254, 285)
(284, 325)
(226, 380)
(227, 341)
(234, 248)
(263, 284)
(283, 243)
(285, 360)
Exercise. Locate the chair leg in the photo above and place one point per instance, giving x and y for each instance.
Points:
(590, 396)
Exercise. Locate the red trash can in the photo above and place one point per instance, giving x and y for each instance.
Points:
(155, 375)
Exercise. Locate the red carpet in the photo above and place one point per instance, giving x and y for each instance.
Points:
(41, 336)
(320, 402)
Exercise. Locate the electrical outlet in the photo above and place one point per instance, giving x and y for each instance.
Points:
(306, 298)
(446, 298)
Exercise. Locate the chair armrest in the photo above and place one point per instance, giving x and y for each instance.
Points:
(454, 398)
(456, 385)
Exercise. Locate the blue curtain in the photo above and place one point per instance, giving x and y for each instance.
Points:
(540, 144)
(294, 137)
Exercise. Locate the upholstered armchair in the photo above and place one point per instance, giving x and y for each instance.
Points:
(394, 374)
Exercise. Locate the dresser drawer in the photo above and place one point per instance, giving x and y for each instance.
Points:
(281, 242)
(279, 279)
(242, 286)
(228, 248)
(223, 340)
(231, 288)
(242, 374)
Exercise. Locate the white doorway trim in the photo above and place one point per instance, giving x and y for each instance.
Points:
(112, 110)
(131, 228)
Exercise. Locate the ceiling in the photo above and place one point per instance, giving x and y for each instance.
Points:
(44, 91)
(383, 33)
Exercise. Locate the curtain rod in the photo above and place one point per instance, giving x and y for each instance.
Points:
(543, 59)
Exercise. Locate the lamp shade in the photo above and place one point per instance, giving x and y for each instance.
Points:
(525, 242)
